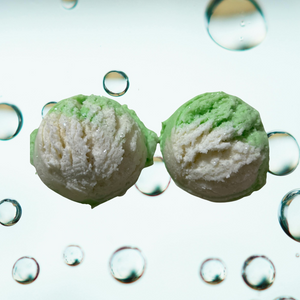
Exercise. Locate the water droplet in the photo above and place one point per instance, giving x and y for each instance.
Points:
(11, 121)
(288, 214)
(224, 23)
(155, 179)
(285, 298)
(297, 254)
(47, 107)
(127, 264)
(10, 212)
(258, 272)
(116, 83)
(241, 38)
(213, 271)
(25, 270)
(284, 153)
(69, 4)
(73, 255)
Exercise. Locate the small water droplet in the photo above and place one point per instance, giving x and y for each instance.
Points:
(258, 272)
(69, 4)
(288, 214)
(214, 161)
(11, 121)
(225, 19)
(297, 254)
(284, 153)
(25, 270)
(284, 298)
(73, 255)
(154, 180)
(241, 38)
(127, 264)
(10, 212)
(116, 83)
(47, 107)
(213, 271)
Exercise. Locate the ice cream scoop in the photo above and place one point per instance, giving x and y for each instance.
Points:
(215, 147)
(91, 149)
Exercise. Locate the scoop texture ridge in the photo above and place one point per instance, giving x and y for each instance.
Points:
(91, 149)
(215, 147)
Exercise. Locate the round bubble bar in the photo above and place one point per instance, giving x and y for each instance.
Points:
(215, 147)
(91, 149)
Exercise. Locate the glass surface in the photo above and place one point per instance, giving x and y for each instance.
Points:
(49, 53)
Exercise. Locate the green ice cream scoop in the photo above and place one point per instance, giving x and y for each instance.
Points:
(215, 147)
(91, 149)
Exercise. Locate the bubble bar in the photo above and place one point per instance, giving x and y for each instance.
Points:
(90, 149)
(215, 147)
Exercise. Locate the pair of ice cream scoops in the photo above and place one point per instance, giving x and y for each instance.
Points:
(91, 149)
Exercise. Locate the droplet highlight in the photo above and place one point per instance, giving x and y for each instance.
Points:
(115, 83)
(154, 180)
(284, 153)
(10, 212)
(127, 264)
(47, 107)
(73, 255)
(25, 270)
(213, 271)
(69, 4)
(11, 121)
(229, 20)
(258, 272)
(288, 214)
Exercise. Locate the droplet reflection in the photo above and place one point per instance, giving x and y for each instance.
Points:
(236, 24)
(11, 121)
(25, 270)
(47, 107)
(284, 153)
(155, 179)
(10, 212)
(288, 214)
(258, 272)
(127, 264)
(213, 271)
(285, 298)
(69, 4)
(73, 255)
(116, 83)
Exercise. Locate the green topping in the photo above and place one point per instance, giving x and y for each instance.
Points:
(73, 106)
(32, 142)
(220, 108)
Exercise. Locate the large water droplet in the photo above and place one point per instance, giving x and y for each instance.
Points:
(155, 179)
(127, 264)
(11, 121)
(228, 20)
(47, 107)
(258, 272)
(285, 298)
(10, 212)
(284, 153)
(288, 214)
(69, 4)
(213, 271)
(116, 83)
(25, 270)
(73, 255)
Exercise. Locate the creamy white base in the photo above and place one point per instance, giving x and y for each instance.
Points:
(211, 163)
(95, 159)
